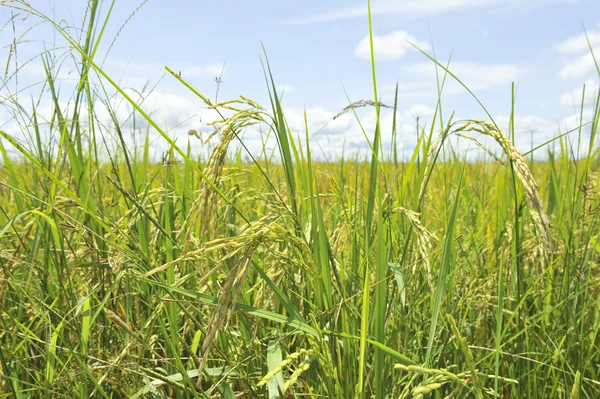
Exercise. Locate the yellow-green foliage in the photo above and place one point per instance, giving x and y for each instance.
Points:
(362, 277)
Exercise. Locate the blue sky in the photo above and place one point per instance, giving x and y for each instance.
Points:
(318, 53)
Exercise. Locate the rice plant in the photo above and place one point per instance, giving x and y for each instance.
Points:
(286, 275)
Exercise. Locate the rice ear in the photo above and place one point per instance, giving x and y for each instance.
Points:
(522, 171)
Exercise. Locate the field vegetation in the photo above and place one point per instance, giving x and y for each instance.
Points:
(284, 275)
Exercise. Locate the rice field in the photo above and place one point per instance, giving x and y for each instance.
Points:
(238, 275)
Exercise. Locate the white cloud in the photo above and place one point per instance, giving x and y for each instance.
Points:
(168, 110)
(388, 47)
(285, 88)
(319, 120)
(344, 137)
(419, 111)
(576, 120)
(580, 67)
(214, 69)
(528, 129)
(143, 71)
(573, 97)
(579, 61)
(406, 8)
(532, 131)
(475, 76)
(329, 137)
(578, 44)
